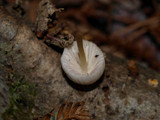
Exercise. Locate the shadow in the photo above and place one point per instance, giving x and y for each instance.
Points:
(56, 48)
(83, 88)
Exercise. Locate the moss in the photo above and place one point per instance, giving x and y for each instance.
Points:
(22, 96)
(2, 52)
(22, 93)
(5, 52)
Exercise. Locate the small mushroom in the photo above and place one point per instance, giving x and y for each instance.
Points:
(83, 62)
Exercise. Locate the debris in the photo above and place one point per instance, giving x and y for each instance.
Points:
(132, 68)
(153, 82)
(68, 111)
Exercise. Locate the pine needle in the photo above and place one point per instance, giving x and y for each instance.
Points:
(69, 111)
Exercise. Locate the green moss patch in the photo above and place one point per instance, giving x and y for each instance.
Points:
(22, 96)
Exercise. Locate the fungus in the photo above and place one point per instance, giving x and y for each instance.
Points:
(83, 62)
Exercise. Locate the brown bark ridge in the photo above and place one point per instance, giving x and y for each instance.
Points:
(116, 96)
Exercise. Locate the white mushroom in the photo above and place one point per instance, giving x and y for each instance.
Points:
(83, 64)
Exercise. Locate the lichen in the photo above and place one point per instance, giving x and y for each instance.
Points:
(22, 95)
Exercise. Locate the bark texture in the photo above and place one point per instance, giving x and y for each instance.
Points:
(4, 96)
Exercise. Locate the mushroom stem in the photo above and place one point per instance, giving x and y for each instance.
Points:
(82, 56)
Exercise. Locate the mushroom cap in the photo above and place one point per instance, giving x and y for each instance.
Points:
(95, 63)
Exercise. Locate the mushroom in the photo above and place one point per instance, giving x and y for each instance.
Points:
(83, 62)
